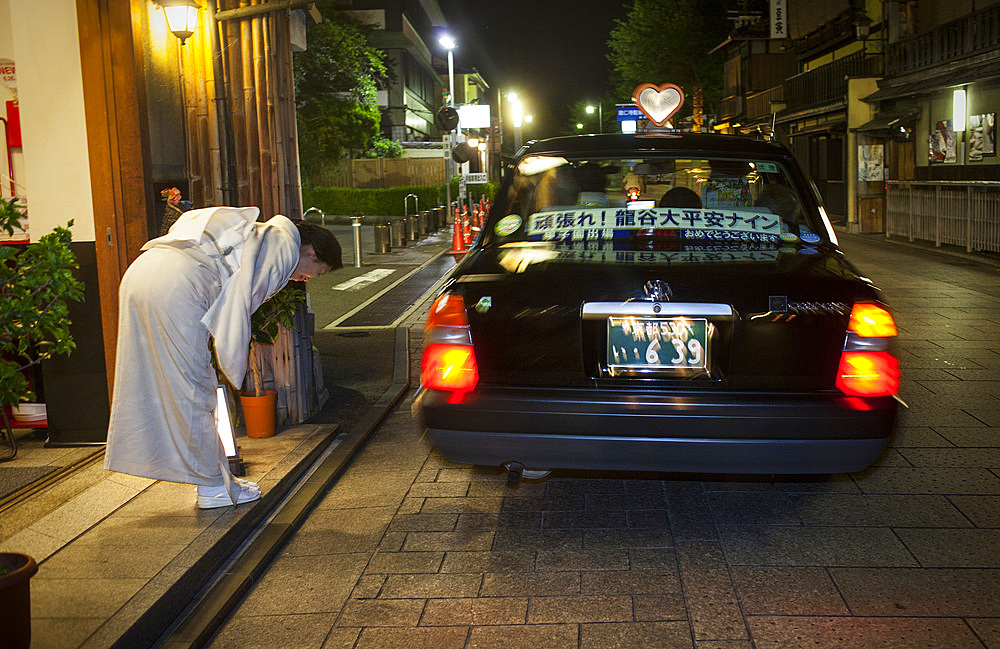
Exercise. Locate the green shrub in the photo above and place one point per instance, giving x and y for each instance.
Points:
(348, 201)
(35, 282)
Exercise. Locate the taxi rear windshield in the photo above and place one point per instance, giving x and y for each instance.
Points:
(559, 199)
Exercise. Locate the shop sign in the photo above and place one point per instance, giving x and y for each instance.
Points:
(7, 76)
(779, 19)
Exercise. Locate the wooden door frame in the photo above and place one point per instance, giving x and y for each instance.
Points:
(114, 100)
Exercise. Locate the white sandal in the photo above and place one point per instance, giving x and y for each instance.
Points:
(212, 497)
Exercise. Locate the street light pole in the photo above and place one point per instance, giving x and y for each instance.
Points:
(449, 43)
(600, 116)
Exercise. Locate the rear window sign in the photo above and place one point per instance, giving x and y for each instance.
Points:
(726, 224)
(766, 167)
(667, 258)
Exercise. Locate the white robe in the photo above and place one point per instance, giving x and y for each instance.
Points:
(202, 280)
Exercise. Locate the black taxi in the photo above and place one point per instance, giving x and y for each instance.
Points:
(658, 302)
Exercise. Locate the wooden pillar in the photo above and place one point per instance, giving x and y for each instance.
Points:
(118, 141)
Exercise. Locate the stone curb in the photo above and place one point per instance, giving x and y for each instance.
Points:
(203, 618)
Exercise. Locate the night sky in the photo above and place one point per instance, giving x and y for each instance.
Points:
(551, 52)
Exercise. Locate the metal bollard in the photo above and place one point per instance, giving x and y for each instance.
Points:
(416, 203)
(411, 228)
(356, 224)
(315, 210)
(398, 228)
(423, 221)
(382, 235)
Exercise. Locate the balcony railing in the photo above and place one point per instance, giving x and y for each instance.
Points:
(957, 213)
(759, 105)
(731, 107)
(829, 82)
(967, 36)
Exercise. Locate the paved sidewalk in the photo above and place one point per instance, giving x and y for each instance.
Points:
(121, 557)
(408, 550)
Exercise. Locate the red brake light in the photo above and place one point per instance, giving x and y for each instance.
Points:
(449, 367)
(868, 374)
(447, 311)
(871, 321)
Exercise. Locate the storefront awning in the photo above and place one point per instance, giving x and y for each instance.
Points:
(889, 120)
(812, 112)
(936, 78)
(833, 126)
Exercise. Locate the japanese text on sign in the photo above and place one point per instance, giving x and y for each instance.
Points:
(603, 223)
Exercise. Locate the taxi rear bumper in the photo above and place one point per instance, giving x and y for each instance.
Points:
(616, 430)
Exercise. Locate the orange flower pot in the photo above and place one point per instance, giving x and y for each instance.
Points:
(260, 413)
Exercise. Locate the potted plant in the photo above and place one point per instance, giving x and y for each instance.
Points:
(35, 281)
(16, 570)
(260, 405)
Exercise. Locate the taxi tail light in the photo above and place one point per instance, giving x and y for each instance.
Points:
(449, 360)
(868, 374)
(871, 321)
(447, 311)
(449, 367)
(867, 367)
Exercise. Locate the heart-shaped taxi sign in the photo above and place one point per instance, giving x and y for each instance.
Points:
(658, 103)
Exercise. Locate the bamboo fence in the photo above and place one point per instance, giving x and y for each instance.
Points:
(242, 150)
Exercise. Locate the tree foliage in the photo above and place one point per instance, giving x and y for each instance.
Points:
(592, 122)
(669, 41)
(336, 81)
(35, 282)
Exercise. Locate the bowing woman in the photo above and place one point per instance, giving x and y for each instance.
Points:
(196, 285)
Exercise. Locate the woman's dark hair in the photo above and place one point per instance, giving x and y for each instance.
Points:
(323, 243)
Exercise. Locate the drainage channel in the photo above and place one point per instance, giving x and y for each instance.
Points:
(384, 310)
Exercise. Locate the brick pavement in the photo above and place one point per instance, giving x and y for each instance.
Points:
(410, 550)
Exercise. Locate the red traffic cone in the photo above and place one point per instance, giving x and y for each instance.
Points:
(477, 220)
(457, 238)
(467, 227)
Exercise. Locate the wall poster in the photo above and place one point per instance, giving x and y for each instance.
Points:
(941, 144)
(870, 157)
(982, 135)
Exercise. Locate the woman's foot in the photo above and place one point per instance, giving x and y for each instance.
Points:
(212, 497)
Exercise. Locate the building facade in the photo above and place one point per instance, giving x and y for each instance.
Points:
(111, 108)
(866, 95)
(406, 30)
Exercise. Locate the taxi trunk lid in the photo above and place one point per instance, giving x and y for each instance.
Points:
(784, 331)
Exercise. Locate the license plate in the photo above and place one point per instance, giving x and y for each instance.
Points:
(657, 344)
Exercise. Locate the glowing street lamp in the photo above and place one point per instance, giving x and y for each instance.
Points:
(448, 43)
(600, 116)
(182, 17)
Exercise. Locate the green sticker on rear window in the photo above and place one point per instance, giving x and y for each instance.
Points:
(507, 225)
(766, 167)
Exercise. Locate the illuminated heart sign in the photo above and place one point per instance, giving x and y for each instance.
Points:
(659, 103)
